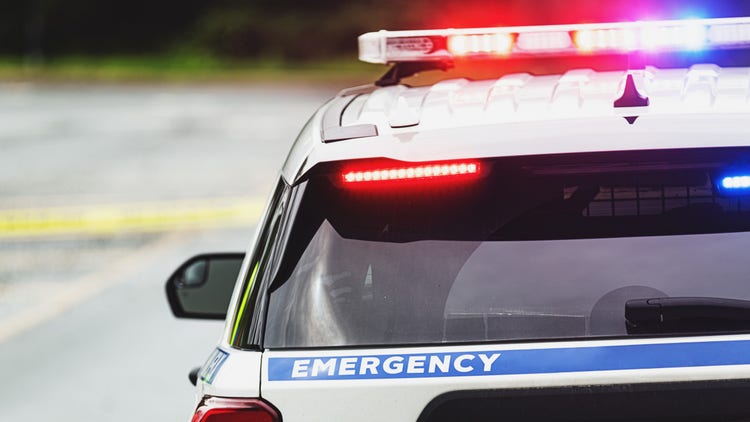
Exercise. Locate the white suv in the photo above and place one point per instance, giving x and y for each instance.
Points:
(523, 248)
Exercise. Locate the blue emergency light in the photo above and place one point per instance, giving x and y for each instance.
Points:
(735, 183)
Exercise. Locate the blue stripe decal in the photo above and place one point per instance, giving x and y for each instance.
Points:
(510, 362)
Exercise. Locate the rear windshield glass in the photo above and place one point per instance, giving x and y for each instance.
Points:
(534, 248)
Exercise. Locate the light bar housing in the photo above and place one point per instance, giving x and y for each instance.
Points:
(555, 40)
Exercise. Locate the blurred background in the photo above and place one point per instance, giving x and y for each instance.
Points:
(258, 39)
(134, 134)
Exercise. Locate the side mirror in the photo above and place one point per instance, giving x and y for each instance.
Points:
(202, 287)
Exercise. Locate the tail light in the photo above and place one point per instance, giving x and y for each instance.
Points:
(221, 409)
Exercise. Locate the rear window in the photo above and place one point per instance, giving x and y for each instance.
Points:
(541, 247)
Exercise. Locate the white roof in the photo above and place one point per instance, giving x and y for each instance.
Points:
(521, 114)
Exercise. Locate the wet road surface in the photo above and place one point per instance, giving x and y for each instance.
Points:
(85, 330)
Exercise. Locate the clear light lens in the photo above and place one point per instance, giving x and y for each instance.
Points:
(620, 39)
(544, 41)
(493, 44)
(729, 34)
(695, 36)
(412, 172)
(689, 37)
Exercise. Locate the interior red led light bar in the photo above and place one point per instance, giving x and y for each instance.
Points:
(412, 172)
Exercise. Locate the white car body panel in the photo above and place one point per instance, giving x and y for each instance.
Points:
(403, 399)
(234, 373)
(530, 138)
(516, 114)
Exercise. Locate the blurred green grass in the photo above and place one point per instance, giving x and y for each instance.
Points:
(187, 69)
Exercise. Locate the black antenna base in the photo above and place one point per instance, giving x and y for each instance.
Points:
(405, 69)
(631, 97)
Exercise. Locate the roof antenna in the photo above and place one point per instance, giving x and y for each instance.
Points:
(631, 97)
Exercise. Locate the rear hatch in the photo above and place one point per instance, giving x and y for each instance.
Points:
(703, 379)
(514, 288)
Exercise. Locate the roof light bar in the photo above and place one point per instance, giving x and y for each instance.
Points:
(618, 37)
(413, 172)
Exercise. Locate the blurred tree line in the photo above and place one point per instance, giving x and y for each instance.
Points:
(286, 29)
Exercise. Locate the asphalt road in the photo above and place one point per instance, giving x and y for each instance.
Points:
(85, 330)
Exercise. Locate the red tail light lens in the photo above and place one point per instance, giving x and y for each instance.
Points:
(220, 409)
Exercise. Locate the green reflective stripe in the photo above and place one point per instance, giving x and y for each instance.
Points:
(243, 303)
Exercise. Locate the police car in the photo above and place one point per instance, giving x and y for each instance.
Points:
(528, 247)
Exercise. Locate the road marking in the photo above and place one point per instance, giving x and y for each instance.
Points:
(68, 295)
(143, 217)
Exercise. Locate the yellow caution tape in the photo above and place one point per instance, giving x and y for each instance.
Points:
(113, 219)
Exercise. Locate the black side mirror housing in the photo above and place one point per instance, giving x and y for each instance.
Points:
(193, 375)
(202, 287)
